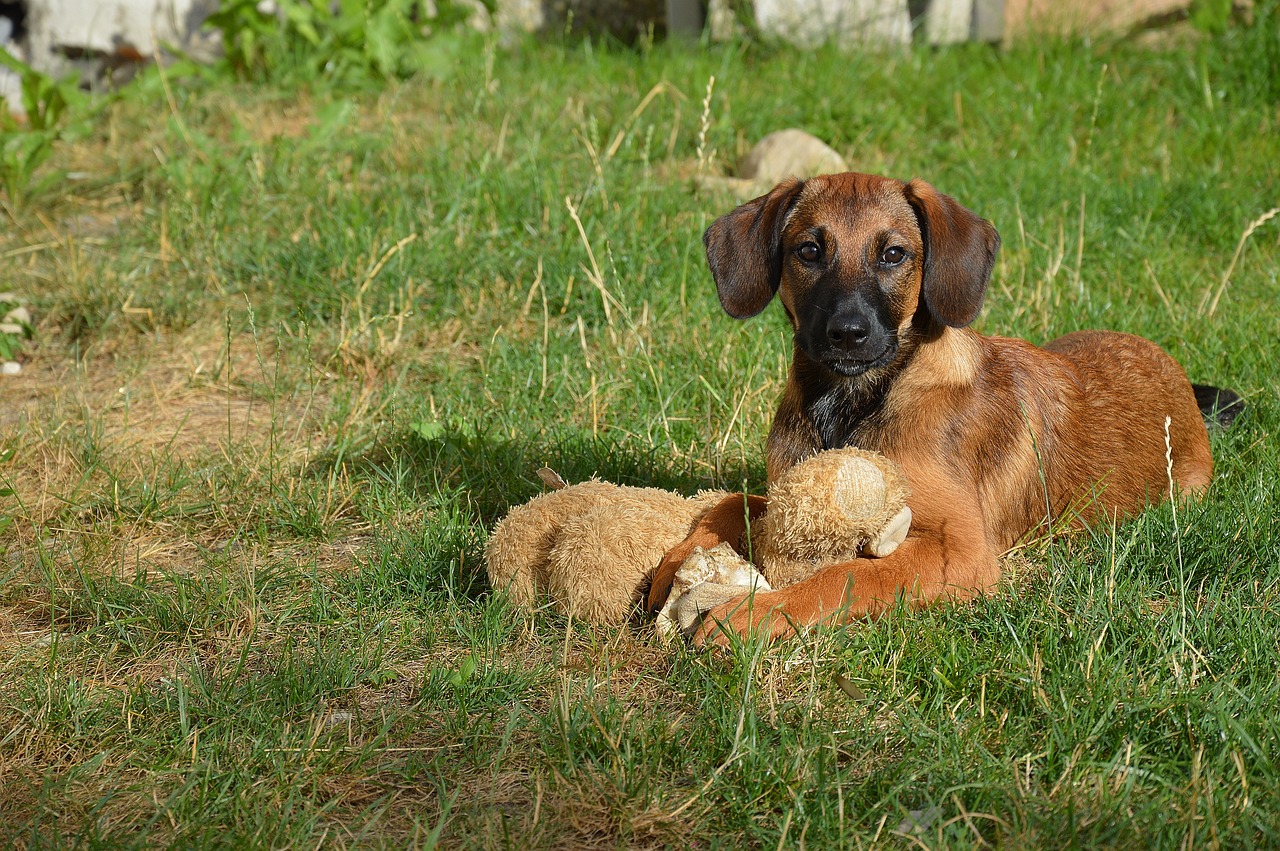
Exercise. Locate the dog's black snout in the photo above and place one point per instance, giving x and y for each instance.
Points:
(848, 332)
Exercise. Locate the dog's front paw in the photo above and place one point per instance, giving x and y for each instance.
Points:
(750, 614)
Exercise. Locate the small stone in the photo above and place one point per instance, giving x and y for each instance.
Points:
(10, 367)
(790, 153)
(919, 821)
(337, 719)
(18, 316)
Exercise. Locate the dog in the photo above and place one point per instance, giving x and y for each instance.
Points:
(999, 439)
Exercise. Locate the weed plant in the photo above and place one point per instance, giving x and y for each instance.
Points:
(300, 342)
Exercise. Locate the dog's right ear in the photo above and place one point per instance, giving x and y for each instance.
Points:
(744, 250)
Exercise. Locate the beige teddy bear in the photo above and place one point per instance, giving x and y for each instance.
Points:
(590, 548)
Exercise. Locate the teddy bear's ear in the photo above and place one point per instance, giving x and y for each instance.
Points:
(744, 250)
(891, 536)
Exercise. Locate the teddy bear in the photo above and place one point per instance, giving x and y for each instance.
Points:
(590, 548)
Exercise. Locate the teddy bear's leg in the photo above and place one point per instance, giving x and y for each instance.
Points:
(603, 558)
(519, 549)
(706, 579)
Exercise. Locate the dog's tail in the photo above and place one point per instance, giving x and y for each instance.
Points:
(1217, 404)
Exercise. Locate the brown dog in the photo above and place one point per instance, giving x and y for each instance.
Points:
(997, 437)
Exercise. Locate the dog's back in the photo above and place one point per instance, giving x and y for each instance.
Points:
(1129, 388)
(1069, 433)
(1094, 404)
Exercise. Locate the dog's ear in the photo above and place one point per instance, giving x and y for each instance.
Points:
(743, 250)
(959, 250)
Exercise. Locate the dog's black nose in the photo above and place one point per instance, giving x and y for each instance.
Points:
(848, 332)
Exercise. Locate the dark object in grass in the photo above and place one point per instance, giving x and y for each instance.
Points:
(1219, 406)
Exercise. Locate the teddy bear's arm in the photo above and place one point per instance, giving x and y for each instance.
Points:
(726, 521)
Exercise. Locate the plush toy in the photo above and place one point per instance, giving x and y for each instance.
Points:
(590, 548)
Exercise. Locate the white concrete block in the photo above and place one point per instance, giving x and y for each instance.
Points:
(809, 23)
(948, 21)
(113, 28)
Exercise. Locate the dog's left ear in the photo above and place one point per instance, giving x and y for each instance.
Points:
(959, 250)
(743, 250)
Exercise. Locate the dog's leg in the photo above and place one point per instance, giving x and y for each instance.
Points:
(947, 555)
(920, 571)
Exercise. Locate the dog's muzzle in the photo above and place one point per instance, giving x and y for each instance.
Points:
(851, 342)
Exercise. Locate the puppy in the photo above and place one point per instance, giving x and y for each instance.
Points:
(997, 437)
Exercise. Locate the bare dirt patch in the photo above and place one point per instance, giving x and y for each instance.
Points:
(138, 414)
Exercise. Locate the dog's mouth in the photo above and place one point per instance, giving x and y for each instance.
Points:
(848, 366)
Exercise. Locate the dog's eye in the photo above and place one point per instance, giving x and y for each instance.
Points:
(893, 255)
(809, 252)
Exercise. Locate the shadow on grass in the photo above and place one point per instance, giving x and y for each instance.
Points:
(465, 479)
(496, 473)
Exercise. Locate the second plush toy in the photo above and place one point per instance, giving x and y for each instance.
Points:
(589, 548)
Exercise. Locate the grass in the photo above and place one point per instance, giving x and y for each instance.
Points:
(299, 346)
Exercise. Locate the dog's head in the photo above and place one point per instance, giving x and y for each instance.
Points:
(856, 260)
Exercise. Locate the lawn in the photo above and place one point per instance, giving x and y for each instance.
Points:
(298, 344)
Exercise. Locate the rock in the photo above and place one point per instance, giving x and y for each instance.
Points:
(722, 21)
(790, 153)
(337, 719)
(16, 322)
(512, 17)
(783, 154)
(10, 367)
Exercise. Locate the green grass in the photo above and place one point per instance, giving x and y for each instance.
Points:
(298, 347)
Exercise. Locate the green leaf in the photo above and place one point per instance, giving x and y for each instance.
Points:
(428, 430)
